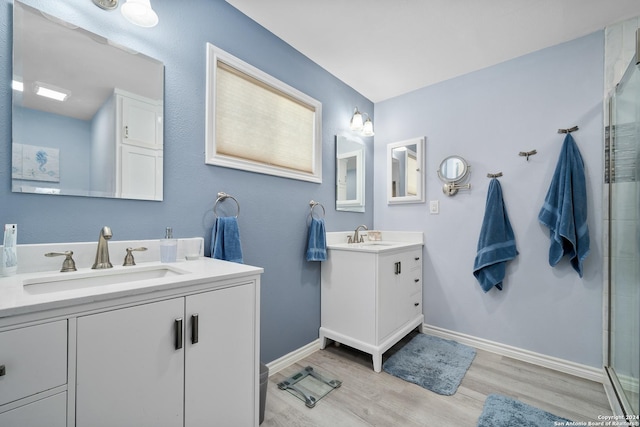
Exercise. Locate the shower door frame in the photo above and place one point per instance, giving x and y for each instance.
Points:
(617, 391)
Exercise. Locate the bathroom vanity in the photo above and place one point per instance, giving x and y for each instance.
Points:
(148, 345)
(371, 293)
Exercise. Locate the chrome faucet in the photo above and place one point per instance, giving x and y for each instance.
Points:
(357, 238)
(102, 254)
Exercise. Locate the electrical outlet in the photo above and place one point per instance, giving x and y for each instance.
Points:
(434, 207)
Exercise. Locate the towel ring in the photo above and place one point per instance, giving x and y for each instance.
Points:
(313, 204)
(221, 196)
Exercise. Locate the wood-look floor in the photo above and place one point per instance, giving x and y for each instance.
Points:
(367, 398)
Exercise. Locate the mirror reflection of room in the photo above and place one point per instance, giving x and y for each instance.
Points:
(87, 113)
(350, 174)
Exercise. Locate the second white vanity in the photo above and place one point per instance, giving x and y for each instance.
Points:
(371, 293)
(147, 345)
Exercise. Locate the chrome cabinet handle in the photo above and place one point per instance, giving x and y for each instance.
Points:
(415, 304)
(178, 326)
(126, 131)
(194, 328)
(398, 267)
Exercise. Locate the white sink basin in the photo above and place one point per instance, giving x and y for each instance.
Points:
(96, 278)
(374, 244)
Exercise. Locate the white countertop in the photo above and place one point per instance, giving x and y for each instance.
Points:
(389, 241)
(15, 300)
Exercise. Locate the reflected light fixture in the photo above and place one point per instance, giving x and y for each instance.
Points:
(365, 127)
(139, 12)
(17, 85)
(47, 92)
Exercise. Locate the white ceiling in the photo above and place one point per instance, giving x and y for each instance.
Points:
(384, 48)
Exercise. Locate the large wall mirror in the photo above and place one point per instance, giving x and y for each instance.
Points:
(349, 174)
(87, 113)
(405, 171)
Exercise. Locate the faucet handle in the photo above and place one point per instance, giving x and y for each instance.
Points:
(128, 258)
(68, 264)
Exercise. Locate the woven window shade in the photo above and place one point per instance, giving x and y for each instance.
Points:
(258, 123)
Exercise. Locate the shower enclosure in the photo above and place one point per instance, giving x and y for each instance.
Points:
(623, 177)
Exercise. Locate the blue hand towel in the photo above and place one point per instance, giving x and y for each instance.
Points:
(565, 208)
(316, 242)
(225, 240)
(497, 244)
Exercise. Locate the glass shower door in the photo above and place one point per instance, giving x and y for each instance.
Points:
(624, 244)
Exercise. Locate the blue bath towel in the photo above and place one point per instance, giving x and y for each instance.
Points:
(497, 243)
(225, 240)
(565, 208)
(316, 242)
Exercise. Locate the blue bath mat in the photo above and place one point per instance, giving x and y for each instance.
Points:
(502, 411)
(432, 363)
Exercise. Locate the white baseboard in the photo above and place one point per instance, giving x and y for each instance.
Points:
(293, 357)
(557, 364)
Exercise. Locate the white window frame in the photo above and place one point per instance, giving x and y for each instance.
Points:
(215, 55)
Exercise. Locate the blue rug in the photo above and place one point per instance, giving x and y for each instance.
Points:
(432, 363)
(502, 411)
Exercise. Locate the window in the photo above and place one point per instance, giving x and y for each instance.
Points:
(258, 123)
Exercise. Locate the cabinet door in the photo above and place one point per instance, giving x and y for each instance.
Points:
(129, 370)
(141, 172)
(221, 368)
(141, 122)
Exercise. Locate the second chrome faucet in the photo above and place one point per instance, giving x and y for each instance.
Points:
(102, 254)
(356, 238)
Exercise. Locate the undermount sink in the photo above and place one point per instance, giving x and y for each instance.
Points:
(375, 244)
(96, 278)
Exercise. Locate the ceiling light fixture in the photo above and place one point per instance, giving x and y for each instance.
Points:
(358, 124)
(47, 92)
(139, 12)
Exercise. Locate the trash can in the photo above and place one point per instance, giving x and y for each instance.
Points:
(264, 379)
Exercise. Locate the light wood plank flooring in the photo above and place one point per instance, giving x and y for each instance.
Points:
(370, 399)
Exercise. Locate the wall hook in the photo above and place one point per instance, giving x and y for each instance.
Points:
(573, 129)
(494, 175)
(527, 154)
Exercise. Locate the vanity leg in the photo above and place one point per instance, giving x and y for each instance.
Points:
(323, 341)
(377, 362)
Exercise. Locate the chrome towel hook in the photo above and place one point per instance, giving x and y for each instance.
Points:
(313, 204)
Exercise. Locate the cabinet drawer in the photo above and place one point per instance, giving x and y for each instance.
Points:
(48, 412)
(34, 360)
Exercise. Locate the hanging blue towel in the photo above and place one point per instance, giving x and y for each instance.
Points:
(497, 244)
(225, 240)
(316, 242)
(565, 208)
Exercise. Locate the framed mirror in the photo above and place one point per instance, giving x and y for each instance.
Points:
(87, 113)
(405, 171)
(350, 173)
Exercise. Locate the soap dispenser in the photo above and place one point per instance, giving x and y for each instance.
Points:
(168, 247)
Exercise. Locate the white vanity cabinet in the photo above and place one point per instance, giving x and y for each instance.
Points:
(185, 360)
(370, 299)
(33, 375)
(174, 350)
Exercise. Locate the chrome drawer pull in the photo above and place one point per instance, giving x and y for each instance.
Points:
(178, 325)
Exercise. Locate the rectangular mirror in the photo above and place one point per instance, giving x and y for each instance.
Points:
(405, 171)
(87, 113)
(349, 174)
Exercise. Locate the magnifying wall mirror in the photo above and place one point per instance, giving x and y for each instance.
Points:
(405, 171)
(102, 137)
(350, 174)
(453, 171)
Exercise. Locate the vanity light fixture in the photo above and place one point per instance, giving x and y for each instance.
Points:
(365, 127)
(106, 4)
(139, 12)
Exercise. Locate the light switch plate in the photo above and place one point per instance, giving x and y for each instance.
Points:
(434, 207)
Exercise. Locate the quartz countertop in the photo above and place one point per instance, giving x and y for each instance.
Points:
(15, 299)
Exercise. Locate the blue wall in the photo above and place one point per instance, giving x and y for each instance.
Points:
(488, 117)
(274, 210)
